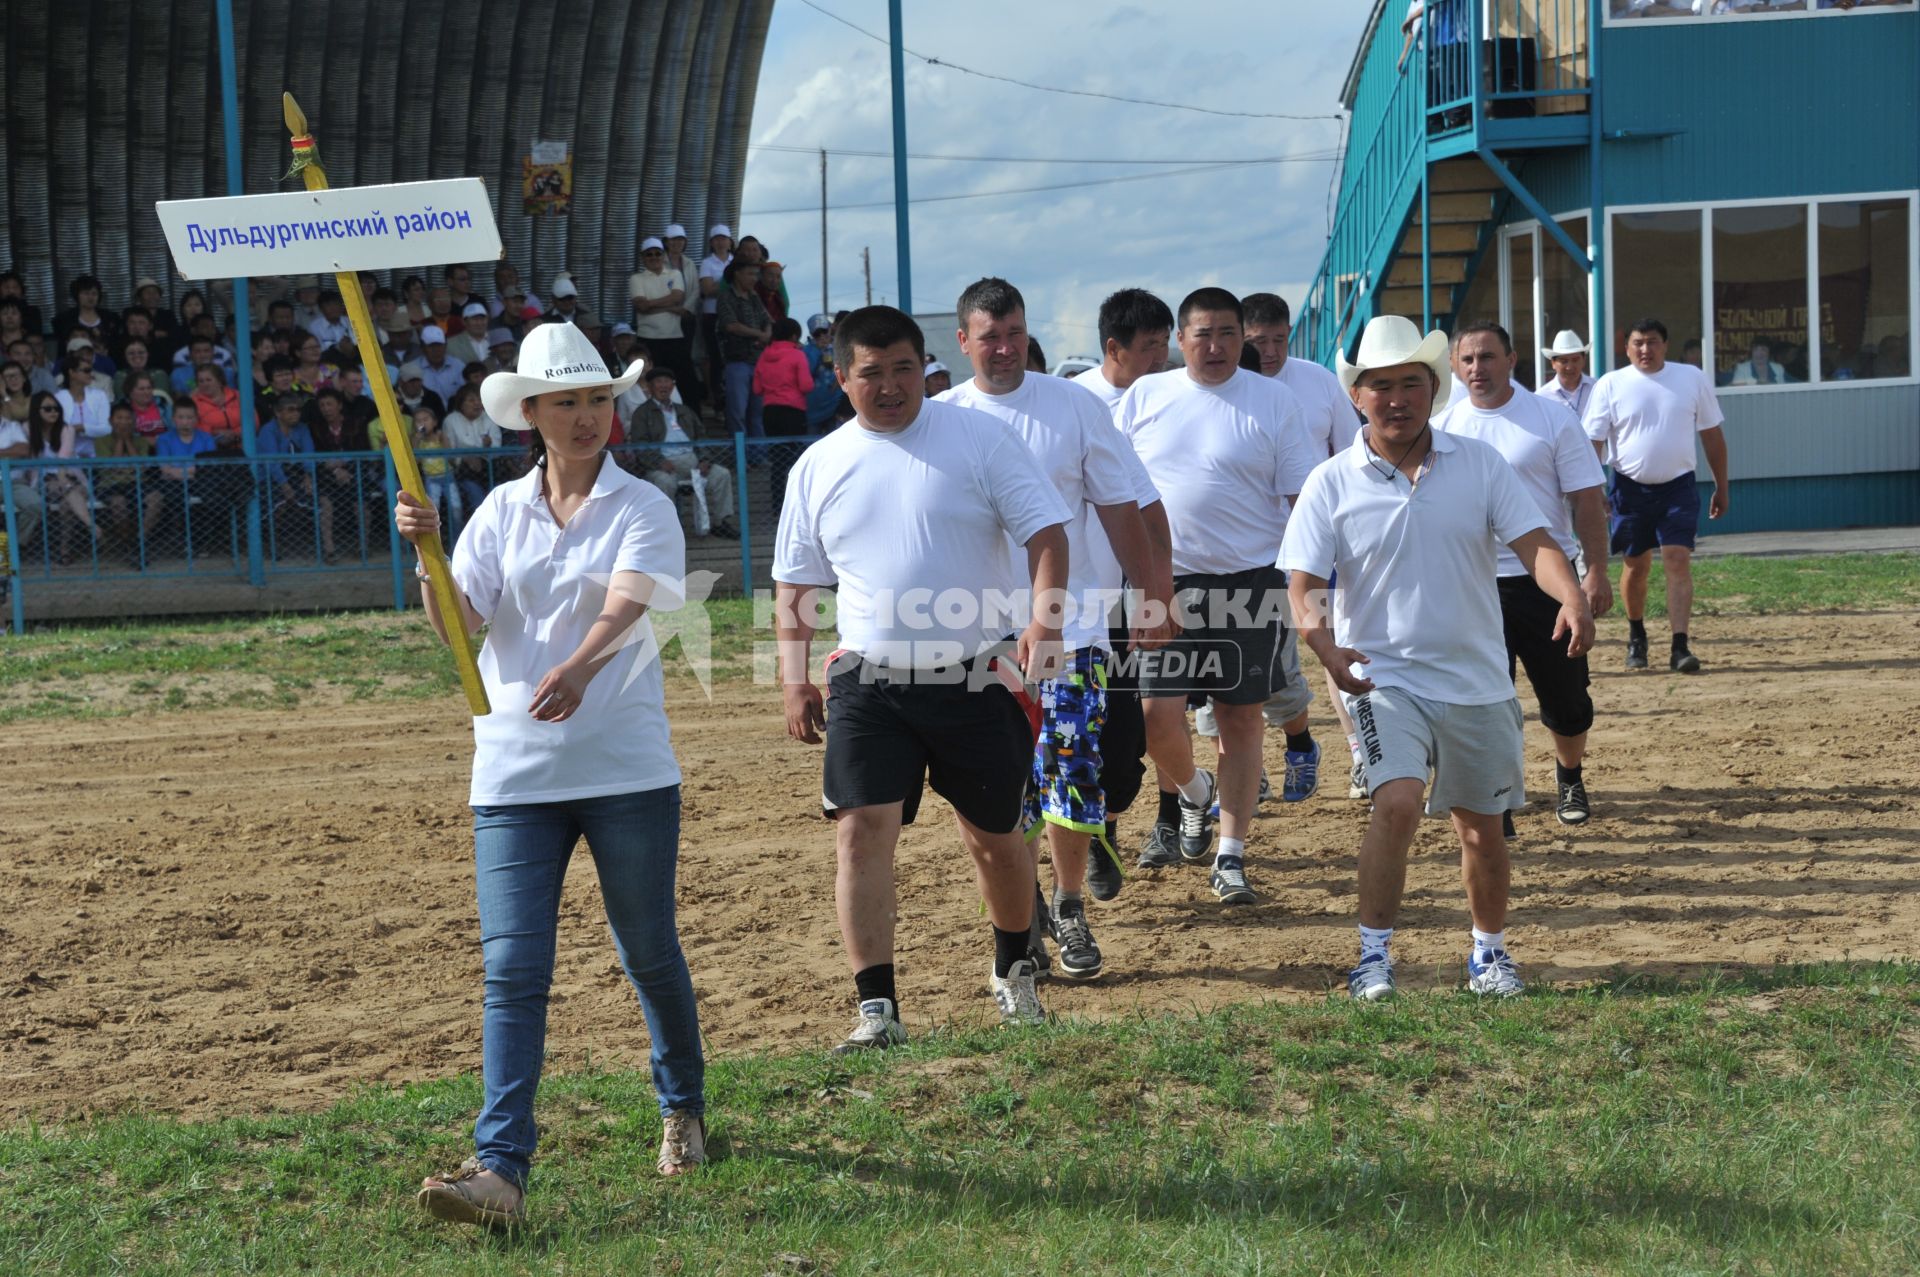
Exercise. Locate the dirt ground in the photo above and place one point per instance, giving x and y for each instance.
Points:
(215, 912)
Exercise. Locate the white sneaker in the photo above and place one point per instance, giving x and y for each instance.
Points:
(1357, 780)
(1372, 980)
(877, 1029)
(1497, 977)
(1019, 1002)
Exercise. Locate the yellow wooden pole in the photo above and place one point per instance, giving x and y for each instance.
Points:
(399, 436)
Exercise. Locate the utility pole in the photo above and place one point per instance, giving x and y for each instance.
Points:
(904, 248)
(866, 269)
(823, 233)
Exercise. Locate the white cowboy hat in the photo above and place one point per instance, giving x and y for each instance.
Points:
(553, 356)
(1566, 342)
(1389, 340)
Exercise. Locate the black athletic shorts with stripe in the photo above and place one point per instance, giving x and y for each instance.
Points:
(1229, 645)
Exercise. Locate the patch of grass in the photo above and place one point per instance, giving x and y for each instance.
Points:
(287, 661)
(1761, 1123)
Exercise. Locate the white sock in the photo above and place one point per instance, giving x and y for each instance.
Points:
(1195, 790)
(1485, 942)
(1353, 746)
(1231, 849)
(1374, 940)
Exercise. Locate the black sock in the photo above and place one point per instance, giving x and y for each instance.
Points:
(1113, 839)
(1637, 631)
(876, 981)
(1169, 810)
(1567, 775)
(1300, 743)
(1679, 644)
(1009, 947)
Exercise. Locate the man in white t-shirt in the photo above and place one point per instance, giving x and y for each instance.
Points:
(1331, 421)
(1412, 519)
(907, 511)
(1106, 491)
(1571, 385)
(1643, 419)
(1543, 443)
(1227, 451)
(1135, 327)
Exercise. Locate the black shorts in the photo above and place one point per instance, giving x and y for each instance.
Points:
(1527, 614)
(1232, 627)
(888, 736)
(1123, 745)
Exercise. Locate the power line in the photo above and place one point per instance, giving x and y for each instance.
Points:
(1014, 190)
(1078, 93)
(1028, 159)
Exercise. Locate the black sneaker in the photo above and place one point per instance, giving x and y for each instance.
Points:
(1103, 871)
(1573, 809)
(1636, 654)
(1684, 662)
(1196, 822)
(1037, 936)
(1079, 955)
(1161, 849)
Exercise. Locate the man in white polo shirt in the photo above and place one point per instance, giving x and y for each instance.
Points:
(1412, 519)
(1227, 451)
(1571, 385)
(1331, 421)
(1643, 419)
(1105, 488)
(1543, 443)
(1135, 327)
(907, 511)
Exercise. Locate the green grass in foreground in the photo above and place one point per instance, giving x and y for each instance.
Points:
(286, 661)
(1761, 1123)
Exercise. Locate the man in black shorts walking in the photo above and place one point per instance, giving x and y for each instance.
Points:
(907, 511)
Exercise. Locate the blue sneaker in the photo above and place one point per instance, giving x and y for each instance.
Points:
(1303, 775)
(1495, 977)
(1372, 980)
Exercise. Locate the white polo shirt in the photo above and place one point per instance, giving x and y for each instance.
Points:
(1326, 410)
(1225, 459)
(1577, 399)
(1648, 420)
(1416, 593)
(1091, 464)
(912, 527)
(653, 285)
(539, 587)
(1545, 446)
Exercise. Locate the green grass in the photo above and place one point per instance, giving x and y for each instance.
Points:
(76, 671)
(1764, 1122)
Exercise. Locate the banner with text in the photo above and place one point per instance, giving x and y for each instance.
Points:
(324, 232)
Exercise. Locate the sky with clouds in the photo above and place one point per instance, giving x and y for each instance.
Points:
(1245, 226)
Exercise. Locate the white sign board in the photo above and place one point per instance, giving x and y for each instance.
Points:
(324, 232)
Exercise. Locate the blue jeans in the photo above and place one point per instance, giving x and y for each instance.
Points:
(520, 860)
(743, 406)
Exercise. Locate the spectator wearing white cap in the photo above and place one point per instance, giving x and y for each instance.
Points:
(1572, 384)
(658, 293)
(826, 387)
(939, 378)
(712, 267)
(506, 286)
(501, 350)
(470, 345)
(441, 374)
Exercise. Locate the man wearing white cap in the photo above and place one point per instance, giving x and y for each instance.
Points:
(659, 295)
(1412, 519)
(712, 267)
(1543, 443)
(442, 375)
(1572, 385)
(567, 308)
(469, 345)
(939, 379)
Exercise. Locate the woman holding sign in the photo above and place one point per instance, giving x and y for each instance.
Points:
(561, 566)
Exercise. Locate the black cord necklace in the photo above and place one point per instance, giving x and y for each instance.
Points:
(1405, 452)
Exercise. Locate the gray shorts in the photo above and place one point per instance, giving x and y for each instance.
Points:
(1472, 752)
(1288, 703)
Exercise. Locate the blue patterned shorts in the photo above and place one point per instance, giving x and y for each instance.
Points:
(1064, 788)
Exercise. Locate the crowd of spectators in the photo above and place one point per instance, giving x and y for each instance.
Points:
(150, 379)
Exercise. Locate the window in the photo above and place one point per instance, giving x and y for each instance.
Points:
(1812, 292)
(1520, 306)
(1656, 272)
(1760, 295)
(1541, 290)
(1635, 11)
(1563, 288)
(1866, 320)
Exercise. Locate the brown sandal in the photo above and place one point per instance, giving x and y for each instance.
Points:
(683, 1144)
(459, 1199)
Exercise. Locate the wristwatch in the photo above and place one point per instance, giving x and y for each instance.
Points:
(420, 568)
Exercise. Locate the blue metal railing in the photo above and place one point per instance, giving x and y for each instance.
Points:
(1474, 59)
